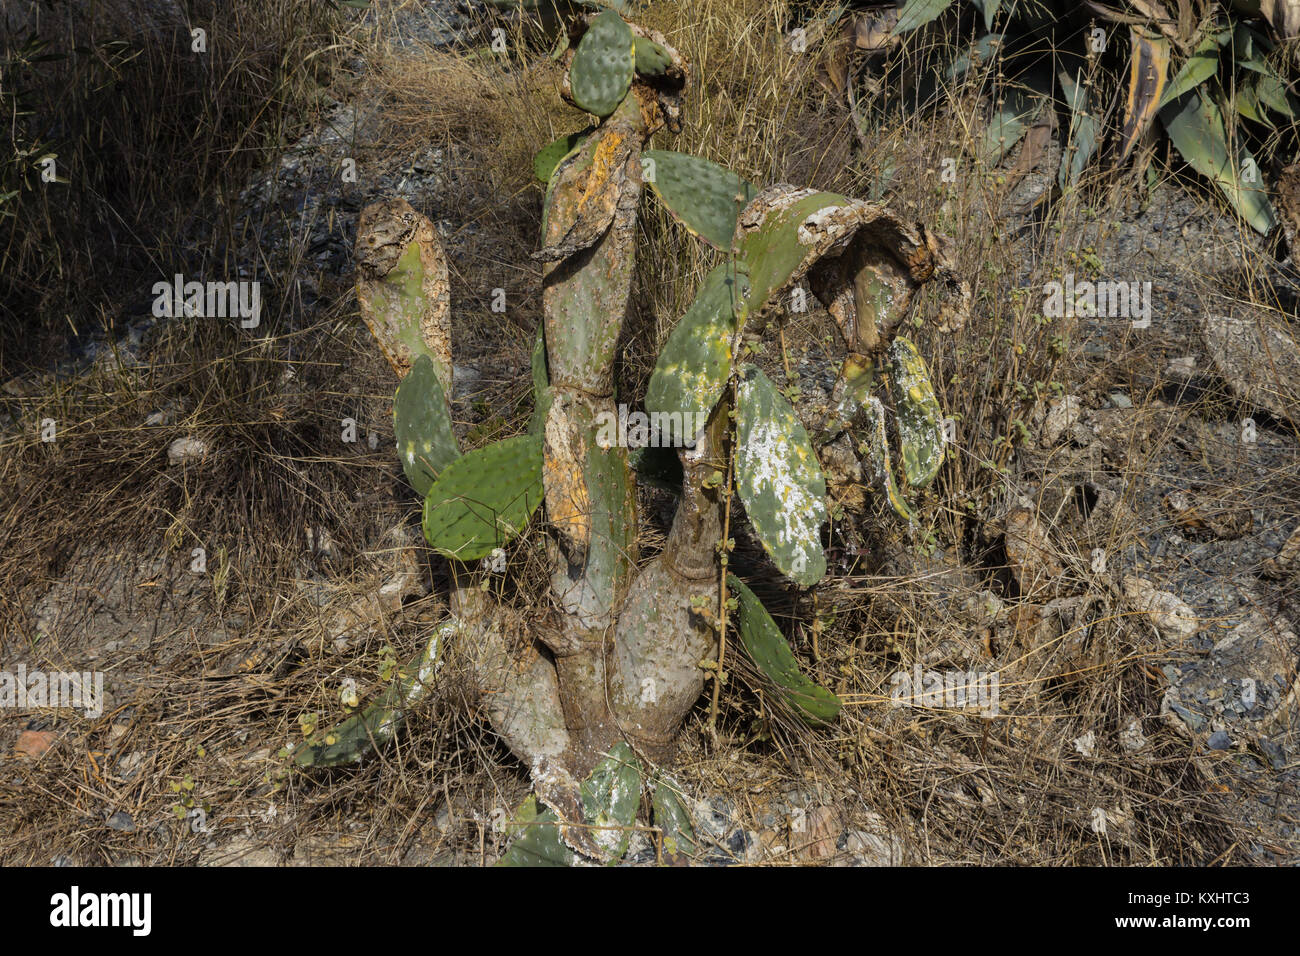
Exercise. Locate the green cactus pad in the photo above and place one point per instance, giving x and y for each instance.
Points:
(875, 455)
(549, 156)
(537, 840)
(779, 478)
(542, 397)
(485, 498)
(779, 253)
(610, 797)
(651, 58)
(767, 648)
(920, 421)
(602, 66)
(695, 363)
(425, 442)
(375, 725)
(672, 818)
(704, 197)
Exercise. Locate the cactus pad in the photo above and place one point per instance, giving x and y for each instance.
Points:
(425, 442)
(920, 424)
(672, 818)
(537, 840)
(485, 498)
(875, 452)
(610, 797)
(779, 478)
(703, 196)
(602, 66)
(541, 385)
(651, 58)
(402, 286)
(549, 156)
(695, 363)
(766, 646)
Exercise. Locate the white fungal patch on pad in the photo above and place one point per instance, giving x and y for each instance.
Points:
(816, 226)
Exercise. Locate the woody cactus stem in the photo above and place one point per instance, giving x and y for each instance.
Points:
(589, 234)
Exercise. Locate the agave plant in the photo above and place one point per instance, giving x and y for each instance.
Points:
(592, 699)
(1208, 74)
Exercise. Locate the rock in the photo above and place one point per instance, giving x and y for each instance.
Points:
(1085, 743)
(1200, 516)
(1259, 361)
(1182, 369)
(34, 743)
(122, 822)
(1131, 737)
(1167, 612)
(1219, 740)
(1062, 414)
(1120, 400)
(821, 832)
(1030, 553)
(874, 846)
(185, 449)
(1282, 563)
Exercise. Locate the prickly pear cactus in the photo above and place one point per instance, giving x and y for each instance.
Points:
(703, 196)
(422, 422)
(920, 422)
(876, 457)
(767, 648)
(651, 58)
(484, 499)
(549, 156)
(603, 64)
(779, 479)
(402, 286)
(695, 363)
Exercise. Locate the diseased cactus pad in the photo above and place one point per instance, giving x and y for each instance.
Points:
(875, 457)
(602, 66)
(485, 498)
(651, 58)
(610, 797)
(779, 478)
(705, 197)
(768, 649)
(425, 442)
(920, 422)
(695, 363)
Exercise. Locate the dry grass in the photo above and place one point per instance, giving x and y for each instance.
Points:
(957, 788)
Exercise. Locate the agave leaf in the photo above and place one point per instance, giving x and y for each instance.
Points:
(1008, 123)
(704, 197)
(484, 499)
(917, 13)
(1196, 128)
(1081, 143)
(1148, 71)
(779, 478)
(1199, 67)
(989, 8)
(766, 646)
